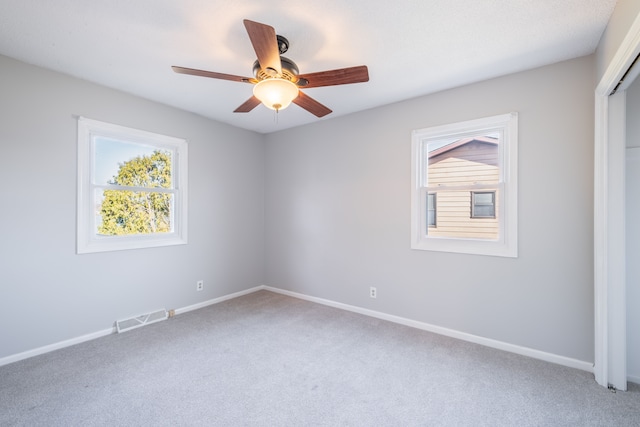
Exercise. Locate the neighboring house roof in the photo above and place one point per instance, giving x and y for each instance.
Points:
(459, 143)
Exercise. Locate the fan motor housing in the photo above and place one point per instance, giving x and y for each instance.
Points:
(289, 70)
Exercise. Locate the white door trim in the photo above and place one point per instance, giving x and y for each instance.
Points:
(608, 288)
(616, 257)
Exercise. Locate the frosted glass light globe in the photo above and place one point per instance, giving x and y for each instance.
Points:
(275, 93)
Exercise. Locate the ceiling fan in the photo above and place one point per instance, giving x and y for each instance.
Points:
(276, 80)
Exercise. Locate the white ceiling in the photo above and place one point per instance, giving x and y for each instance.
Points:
(412, 47)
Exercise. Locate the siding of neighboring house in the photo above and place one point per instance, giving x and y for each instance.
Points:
(463, 163)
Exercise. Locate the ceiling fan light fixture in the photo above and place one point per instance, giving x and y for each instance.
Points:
(276, 79)
(276, 93)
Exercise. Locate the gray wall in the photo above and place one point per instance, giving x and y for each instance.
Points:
(48, 293)
(335, 208)
(338, 214)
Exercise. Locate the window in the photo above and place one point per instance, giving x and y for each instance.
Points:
(431, 209)
(470, 169)
(132, 188)
(483, 204)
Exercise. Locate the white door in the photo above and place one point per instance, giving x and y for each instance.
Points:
(633, 263)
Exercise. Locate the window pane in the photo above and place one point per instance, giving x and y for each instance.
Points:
(458, 161)
(131, 164)
(484, 211)
(120, 212)
(458, 218)
(483, 199)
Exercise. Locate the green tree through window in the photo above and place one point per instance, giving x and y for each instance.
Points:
(135, 210)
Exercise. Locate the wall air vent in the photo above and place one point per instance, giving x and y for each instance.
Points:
(142, 320)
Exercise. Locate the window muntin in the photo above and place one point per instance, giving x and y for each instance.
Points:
(454, 162)
(132, 188)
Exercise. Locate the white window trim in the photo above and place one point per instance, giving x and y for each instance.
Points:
(507, 244)
(88, 241)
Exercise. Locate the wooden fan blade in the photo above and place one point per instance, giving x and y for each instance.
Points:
(311, 105)
(265, 43)
(248, 105)
(213, 75)
(341, 76)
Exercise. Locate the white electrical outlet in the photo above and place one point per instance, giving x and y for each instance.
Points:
(373, 292)
(199, 285)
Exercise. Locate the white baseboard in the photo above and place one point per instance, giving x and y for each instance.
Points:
(524, 351)
(55, 346)
(218, 300)
(67, 343)
(633, 379)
